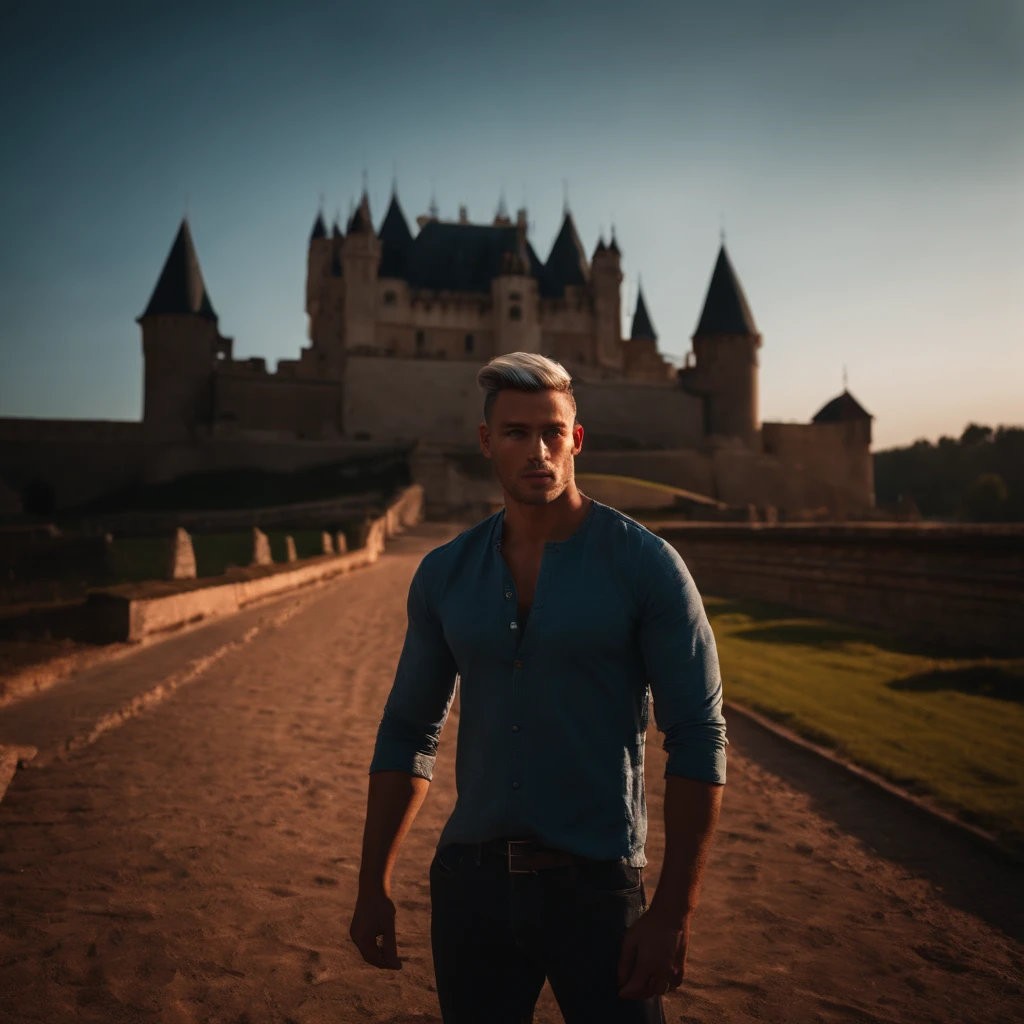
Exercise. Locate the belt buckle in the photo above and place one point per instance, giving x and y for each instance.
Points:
(518, 871)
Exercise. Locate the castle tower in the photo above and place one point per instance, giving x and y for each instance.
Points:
(318, 266)
(360, 260)
(725, 348)
(180, 345)
(855, 423)
(514, 296)
(606, 287)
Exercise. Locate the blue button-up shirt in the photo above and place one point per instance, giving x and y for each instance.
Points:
(553, 716)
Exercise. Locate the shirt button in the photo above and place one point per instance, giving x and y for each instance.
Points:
(513, 625)
(508, 595)
(518, 664)
(515, 728)
(515, 785)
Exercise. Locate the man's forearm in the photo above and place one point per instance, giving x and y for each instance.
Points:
(392, 803)
(691, 814)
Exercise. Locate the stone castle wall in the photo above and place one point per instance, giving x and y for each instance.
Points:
(438, 402)
(956, 587)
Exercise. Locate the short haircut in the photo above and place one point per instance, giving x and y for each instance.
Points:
(522, 371)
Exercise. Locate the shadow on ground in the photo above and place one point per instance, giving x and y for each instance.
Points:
(993, 681)
(763, 622)
(972, 877)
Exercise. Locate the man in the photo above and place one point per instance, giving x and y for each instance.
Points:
(559, 615)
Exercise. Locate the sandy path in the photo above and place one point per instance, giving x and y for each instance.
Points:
(199, 862)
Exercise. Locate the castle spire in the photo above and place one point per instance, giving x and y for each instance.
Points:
(567, 261)
(360, 222)
(613, 245)
(396, 238)
(180, 288)
(642, 329)
(725, 307)
(319, 227)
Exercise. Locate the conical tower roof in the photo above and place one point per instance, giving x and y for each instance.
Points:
(360, 222)
(567, 261)
(725, 307)
(319, 227)
(642, 326)
(396, 238)
(600, 247)
(842, 409)
(180, 288)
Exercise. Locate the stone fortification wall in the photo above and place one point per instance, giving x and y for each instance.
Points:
(276, 404)
(83, 460)
(392, 400)
(959, 587)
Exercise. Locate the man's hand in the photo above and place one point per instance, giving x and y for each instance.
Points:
(375, 917)
(653, 956)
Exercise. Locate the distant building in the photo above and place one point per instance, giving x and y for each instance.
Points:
(400, 322)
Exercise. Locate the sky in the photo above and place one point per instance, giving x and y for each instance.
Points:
(866, 162)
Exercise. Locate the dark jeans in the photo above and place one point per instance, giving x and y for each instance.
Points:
(496, 936)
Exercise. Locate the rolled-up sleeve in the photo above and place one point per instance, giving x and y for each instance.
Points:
(682, 666)
(422, 692)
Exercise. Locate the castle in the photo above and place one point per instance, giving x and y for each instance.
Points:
(399, 323)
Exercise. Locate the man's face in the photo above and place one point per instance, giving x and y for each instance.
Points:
(532, 439)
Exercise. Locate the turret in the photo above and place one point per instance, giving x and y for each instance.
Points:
(606, 287)
(180, 344)
(514, 294)
(318, 266)
(360, 260)
(725, 346)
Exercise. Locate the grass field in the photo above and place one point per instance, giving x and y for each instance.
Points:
(949, 728)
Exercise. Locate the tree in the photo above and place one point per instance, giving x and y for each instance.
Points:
(975, 434)
(985, 501)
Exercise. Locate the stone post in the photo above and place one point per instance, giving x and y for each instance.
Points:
(326, 544)
(181, 562)
(260, 548)
(340, 543)
(289, 547)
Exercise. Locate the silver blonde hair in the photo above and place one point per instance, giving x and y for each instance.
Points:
(522, 371)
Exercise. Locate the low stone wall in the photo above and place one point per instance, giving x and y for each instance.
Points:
(958, 587)
(135, 611)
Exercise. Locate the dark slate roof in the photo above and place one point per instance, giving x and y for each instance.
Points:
(180, 288)
(642, 326)
(725, 308)
(613, 246)
(336, 229)
(319, 228)
(360, 222)
(567, 261)
(396, 238)
(842, 409)
(600, 247)
(461, 257)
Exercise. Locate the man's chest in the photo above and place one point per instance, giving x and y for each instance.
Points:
(579, 611)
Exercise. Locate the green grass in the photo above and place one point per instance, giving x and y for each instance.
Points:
(949, 728)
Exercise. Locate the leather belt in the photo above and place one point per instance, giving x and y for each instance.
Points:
(526, 857)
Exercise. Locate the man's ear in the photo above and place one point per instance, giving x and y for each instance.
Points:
(485, 439)
(577, 438)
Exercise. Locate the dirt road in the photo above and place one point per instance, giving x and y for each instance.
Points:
(198, 862)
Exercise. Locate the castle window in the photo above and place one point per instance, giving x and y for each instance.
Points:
(515, 313)
(421, 339)
(469, 342)
(390, 298)
(514, 297)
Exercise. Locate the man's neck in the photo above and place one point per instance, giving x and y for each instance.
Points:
(537, 525)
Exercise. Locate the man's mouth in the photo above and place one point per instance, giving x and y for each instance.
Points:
(538, 474)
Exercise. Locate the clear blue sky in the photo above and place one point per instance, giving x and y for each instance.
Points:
(867, 161)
